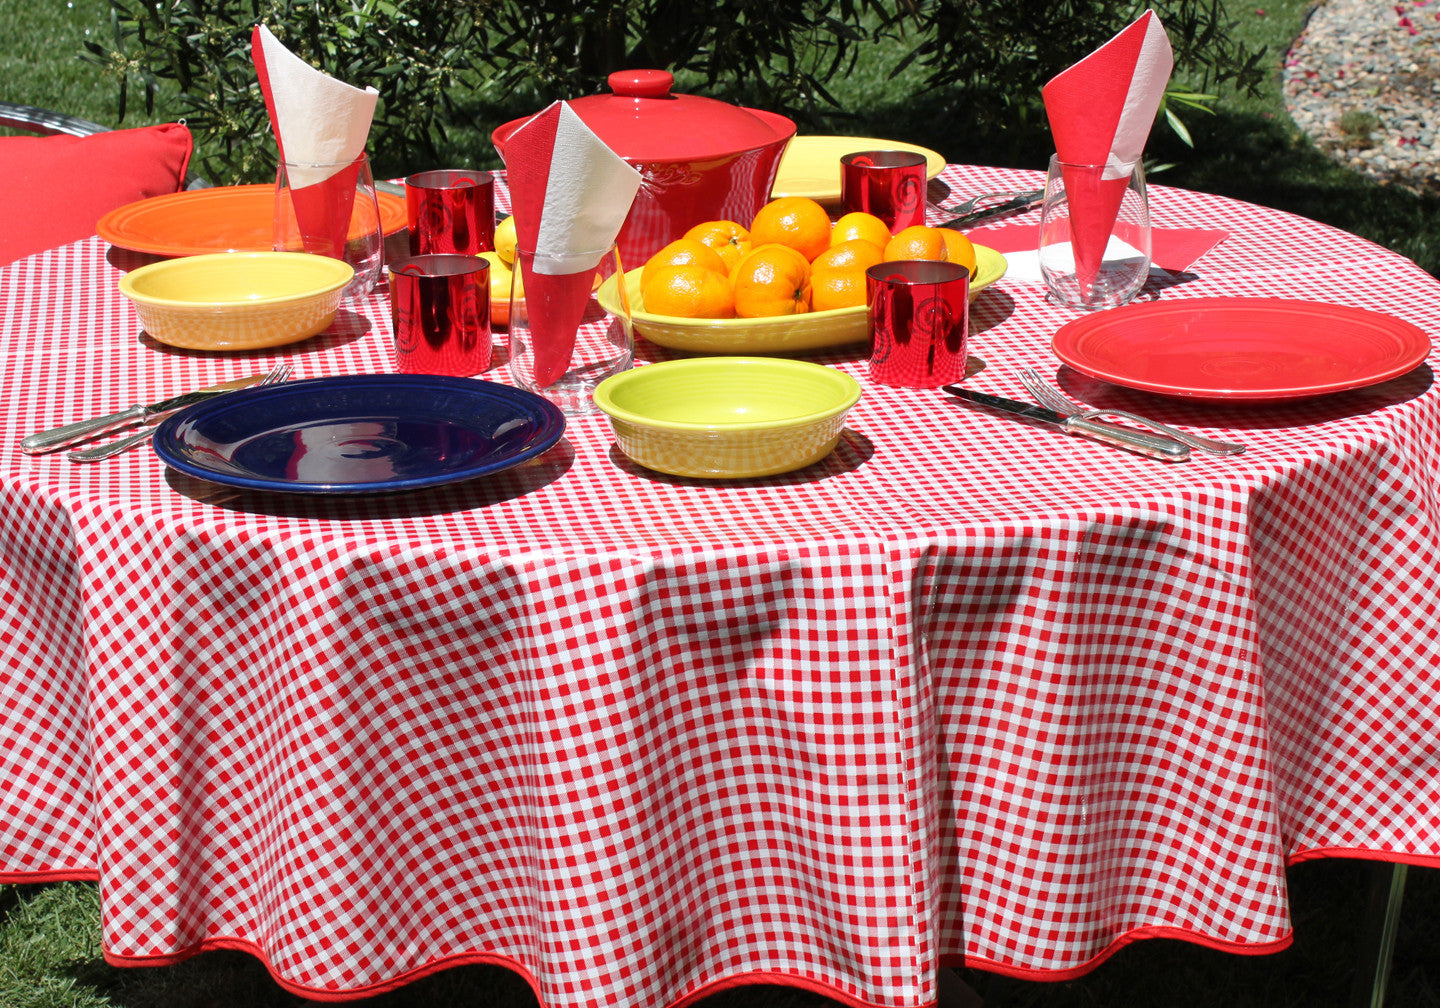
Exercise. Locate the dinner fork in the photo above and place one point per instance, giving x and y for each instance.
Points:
(1056, 401)
(996, 204)
(279, 373)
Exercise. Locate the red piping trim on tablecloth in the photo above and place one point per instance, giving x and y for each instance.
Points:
(738, 980)
(1357, 854)
(1128, 938)
(58, 875)
(323, 994)
(760, 977)
(472, 959)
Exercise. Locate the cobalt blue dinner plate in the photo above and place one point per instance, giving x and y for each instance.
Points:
(359, 434)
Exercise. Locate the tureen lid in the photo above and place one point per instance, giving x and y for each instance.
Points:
(641, 120)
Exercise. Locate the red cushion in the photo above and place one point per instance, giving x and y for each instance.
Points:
(54, 188)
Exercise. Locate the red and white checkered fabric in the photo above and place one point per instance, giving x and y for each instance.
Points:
(966, 688)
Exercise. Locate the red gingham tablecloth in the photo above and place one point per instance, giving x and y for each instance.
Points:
(967, 690)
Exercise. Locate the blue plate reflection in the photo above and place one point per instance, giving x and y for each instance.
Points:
(359, 434)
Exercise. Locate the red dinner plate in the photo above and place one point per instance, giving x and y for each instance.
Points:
(222, 219)
(1241, 348)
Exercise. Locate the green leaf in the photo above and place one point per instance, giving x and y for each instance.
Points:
(1179, 127)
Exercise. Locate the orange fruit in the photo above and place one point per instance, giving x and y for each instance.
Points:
(728, 239)
(837, 288)
(917, 242)
(771, 280)
(850, 254)
(687, 291)
(958, 249)
(794, 221)
(684, 252)
(861, 225)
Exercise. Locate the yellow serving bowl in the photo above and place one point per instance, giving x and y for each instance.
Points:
(237, 300)
(727, 417)
(780, 334)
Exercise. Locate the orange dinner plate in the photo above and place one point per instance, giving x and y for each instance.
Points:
(222, 219)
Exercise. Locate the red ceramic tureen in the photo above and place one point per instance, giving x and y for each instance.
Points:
(701, 159)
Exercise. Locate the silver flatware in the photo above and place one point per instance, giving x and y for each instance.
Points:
(58, 437)
(1152, 445)
(110, 449)
(1059, 403)
(996, 205)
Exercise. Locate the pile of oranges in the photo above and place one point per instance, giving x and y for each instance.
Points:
(790, 260)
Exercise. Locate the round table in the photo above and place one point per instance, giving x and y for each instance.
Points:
(965, 691)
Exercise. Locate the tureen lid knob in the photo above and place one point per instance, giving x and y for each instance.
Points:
(641, 83)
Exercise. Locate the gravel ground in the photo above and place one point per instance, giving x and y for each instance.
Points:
(1363, 81)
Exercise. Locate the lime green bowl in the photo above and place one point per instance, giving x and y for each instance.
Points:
(237, 300)
(727, 417)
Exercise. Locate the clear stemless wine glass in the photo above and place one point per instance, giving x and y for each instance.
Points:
(330, 208)
(1094, 234)
(572, 328)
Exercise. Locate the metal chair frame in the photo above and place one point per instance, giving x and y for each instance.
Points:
(45, 122)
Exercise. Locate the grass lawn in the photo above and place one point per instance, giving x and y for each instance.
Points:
(49, 935)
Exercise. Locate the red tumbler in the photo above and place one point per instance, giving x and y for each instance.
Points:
(887, 184)
(440, 308)
(450, 212)
(919, 313)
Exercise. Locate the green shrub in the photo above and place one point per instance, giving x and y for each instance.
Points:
(418, 56)
(979, 62)
(986, 61)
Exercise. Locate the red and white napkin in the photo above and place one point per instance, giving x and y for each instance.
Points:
(570, 194)
(316, 119)
(1100, 112)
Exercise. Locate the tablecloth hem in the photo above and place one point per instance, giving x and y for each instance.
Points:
(951, 961)
(746, 979)
(1128, 938)
(326, 993)
(44, 877)
(780, 979)
(1362, 854)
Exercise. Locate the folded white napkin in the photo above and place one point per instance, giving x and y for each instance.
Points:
(316, 118)
(571, 194)
(1024, 267)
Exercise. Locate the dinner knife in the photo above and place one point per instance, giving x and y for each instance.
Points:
(1153, 445)
(57, 437)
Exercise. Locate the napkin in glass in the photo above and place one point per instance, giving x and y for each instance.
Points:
(1100, 112)
(570, 194)
(317, 120)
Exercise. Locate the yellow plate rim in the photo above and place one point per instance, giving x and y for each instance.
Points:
(833, 148)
